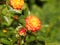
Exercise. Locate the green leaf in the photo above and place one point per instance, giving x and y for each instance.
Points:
(7, 21)
(5, 41)
(1, 44)
(5, 11)
(52, 43)
(2, 34)
(11, 10)
(30, 39)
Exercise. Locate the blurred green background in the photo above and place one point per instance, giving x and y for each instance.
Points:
(48, 12)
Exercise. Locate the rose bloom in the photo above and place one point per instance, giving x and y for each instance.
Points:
(33, 23)
(17, 4)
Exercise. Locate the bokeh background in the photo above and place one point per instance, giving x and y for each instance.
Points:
(48, 12)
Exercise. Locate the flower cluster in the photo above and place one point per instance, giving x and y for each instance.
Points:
(32, 24)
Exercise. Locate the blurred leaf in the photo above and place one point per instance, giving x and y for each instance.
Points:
(2, 34)
(52, 43)
(5, 41)
(30, 39)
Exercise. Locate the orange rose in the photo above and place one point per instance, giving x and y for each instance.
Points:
(33, 23)
(17, 4)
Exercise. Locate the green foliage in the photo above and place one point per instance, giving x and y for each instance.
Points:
(48, 13)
